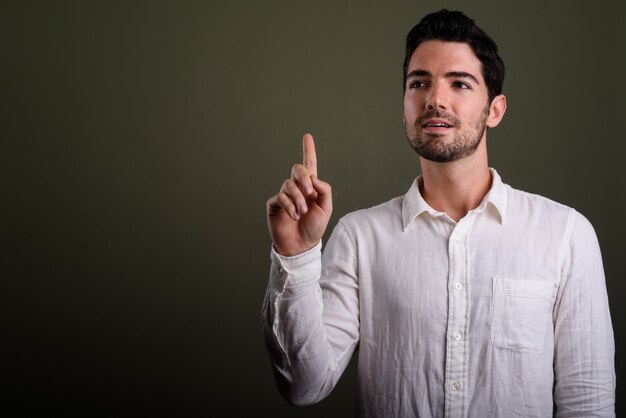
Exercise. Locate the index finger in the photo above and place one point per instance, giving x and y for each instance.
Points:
(310, 158)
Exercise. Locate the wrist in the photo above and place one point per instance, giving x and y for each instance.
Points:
(295, 250)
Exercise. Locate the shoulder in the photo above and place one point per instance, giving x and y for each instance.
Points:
(531, 209)
(526, 200)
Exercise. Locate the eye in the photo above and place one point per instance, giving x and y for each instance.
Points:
(416, 84)
(461, 85)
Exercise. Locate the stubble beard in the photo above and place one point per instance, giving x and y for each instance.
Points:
(435, 147)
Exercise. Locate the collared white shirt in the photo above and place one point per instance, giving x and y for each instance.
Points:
(501, 314)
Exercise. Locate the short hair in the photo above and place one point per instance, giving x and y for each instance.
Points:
(454, 26)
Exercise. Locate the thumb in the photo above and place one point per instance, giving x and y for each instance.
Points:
(324, 194)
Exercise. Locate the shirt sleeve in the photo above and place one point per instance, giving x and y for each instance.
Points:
(584, 345)
(311, 317)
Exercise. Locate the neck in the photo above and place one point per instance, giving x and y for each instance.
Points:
(456, 187)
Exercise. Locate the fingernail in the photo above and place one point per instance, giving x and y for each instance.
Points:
(309, 189)
(296, 216)
(303, 208)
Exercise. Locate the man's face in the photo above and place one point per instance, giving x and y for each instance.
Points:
(446, 105)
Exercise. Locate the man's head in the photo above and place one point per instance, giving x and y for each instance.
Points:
(453, 26)
(452, 87)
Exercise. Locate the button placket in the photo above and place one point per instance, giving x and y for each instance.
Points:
(458, 307)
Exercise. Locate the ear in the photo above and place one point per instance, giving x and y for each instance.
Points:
(496, 110)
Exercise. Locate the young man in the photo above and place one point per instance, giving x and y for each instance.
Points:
(464, 297)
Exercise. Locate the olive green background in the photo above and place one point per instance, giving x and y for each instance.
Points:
(140, 141)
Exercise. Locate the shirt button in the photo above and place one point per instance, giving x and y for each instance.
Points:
(457, 336)
(458, 286)
(455, 386)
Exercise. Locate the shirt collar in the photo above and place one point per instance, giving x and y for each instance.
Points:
(414, 204)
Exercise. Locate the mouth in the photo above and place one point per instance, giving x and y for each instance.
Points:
(436, 125)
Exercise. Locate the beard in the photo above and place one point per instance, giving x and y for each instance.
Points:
(435, 147)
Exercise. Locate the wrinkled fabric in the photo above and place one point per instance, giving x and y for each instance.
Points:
(501, 314)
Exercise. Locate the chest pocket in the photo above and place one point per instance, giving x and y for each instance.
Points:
(521, 314)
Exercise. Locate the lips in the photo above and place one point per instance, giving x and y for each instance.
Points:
(436, 123)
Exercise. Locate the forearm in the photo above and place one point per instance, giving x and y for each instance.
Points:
(584, 367)
(306, 364)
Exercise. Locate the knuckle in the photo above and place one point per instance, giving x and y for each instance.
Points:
(286, 184)
(284, 202)
(298, 172)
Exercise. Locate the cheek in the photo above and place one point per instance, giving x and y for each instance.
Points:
(410, 108)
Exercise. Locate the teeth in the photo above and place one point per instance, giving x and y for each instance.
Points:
(439, 125)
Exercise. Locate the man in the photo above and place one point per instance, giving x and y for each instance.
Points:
(464, 297)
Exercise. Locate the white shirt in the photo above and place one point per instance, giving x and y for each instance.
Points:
(501, 314)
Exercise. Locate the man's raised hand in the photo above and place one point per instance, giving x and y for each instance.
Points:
(298, 215)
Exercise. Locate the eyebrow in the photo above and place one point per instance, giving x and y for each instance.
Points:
(451, 74)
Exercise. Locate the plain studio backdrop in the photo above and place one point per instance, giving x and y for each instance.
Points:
(140, 141)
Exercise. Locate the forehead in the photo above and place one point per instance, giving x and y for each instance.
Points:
(442, 57)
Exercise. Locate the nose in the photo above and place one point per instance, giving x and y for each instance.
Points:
(437, 97)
